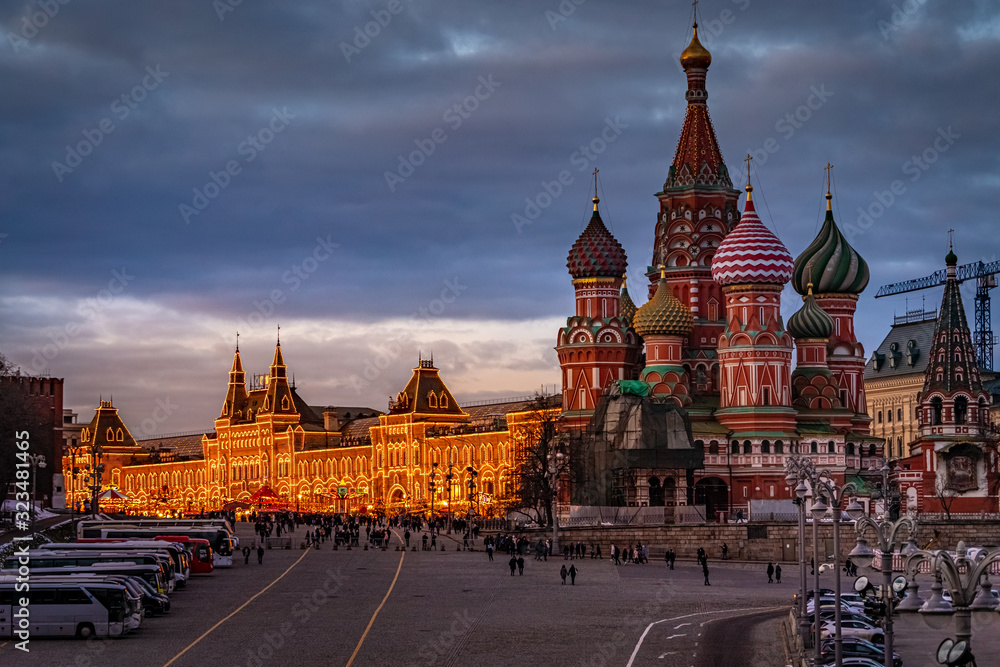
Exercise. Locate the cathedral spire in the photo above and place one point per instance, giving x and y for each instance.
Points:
(953, 364)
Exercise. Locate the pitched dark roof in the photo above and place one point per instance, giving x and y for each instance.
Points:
(897, 355)
(952, 349)
(417, 396)
(357, 430)
(182, 446)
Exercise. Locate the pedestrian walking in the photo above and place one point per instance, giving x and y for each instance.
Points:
(520, 566)
(770, 573)
(777, 573)
(725, 551)
(260, 554)
(489, 551)
(406, 536)
(513, 565)
(246, 555)
(572, 575)
(704, 569)
(562, 573)
(599, 557)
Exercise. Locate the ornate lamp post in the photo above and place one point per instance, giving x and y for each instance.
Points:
(886, 531)
(93, 473)
(37, 461)
(827, 489)
(797, 470)
(963, 587)
(431, 487)
(450, 476)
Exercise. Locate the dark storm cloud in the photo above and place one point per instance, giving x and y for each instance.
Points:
(311, 217)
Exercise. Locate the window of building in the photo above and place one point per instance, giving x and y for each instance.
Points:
(850, 449)
(735, 447)
(961, 409)
(831, 448)
(765, 447)
(779, 447)
(936, 408)
(814, 447)
(899, 415)
(767, 396)
(888, 416)
(713, 447)
(879, 417)
(747, 447)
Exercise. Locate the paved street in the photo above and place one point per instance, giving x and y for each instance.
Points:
(450, 608)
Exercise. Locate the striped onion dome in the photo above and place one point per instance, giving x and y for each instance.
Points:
(626, 307)
(664, 314)
(810, 321)
(751, 253)
(830, 264)
(596, 254)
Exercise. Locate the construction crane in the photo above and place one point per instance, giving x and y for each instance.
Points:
(984, 275)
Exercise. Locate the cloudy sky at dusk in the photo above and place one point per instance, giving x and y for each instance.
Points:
(174, 172)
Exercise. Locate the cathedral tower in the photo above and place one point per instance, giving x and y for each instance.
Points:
(597, 346)
(697, 210)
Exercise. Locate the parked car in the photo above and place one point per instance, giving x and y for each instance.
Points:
(855, 627)
(856, 647)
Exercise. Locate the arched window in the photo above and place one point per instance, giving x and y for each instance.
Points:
(432, 399)
(735, 447)
(850, 449)
(831, 448)
(765, 447)
(747, 447)
(814, 447)
(936, 407)
(961, 409)
(713, 447)
(879, 416)
(899, 415)
(888, 416)
(779, 447)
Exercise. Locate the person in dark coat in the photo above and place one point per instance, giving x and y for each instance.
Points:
(260, 554)
(770, 573)
(513, 565)
(246, 555)
(520, 566)
(572, 575)
(562, 573)
(777, 573)
(704, 569)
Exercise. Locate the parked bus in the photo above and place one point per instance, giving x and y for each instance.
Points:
(134, 591)
(182, 568)
(43, 558)
(223, 544)
(141, 522)
(85, 609)
(198, 550)
(151, 574)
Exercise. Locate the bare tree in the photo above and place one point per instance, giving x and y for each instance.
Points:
(541, 462)
(946, 496)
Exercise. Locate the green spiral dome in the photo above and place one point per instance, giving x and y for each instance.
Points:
(830, 263)
(810, 321)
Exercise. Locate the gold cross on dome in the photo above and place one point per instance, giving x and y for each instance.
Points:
(828, 168)
(595, 180)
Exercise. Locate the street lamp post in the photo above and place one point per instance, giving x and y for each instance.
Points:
(37, 461)
(828, 490)
(472, 491)
(886, 531)
(450, 476)
(963, 588)
(797, 470)
(431, 487)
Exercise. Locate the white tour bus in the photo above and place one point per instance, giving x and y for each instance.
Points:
(182, 566)
(132, 591)
(151, 574)
(56, 609)
(44, 558)
(218, 533)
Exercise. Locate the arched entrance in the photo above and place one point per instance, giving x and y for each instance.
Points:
(655, 492)
(713, 493)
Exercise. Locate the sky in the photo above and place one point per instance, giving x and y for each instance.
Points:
(380, 178)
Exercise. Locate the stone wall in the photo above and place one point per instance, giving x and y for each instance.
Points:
(765, 541)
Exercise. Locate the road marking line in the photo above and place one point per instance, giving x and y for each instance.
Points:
(645, 632)
(676, 627)
(674, 636)
(238, 610)
(372, 621)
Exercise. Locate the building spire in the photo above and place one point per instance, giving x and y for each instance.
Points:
(829, 197)
(749, 187)
(237, 340)
(596, 199)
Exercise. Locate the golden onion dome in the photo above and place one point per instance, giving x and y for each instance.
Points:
(664, 314)
(695, 55)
